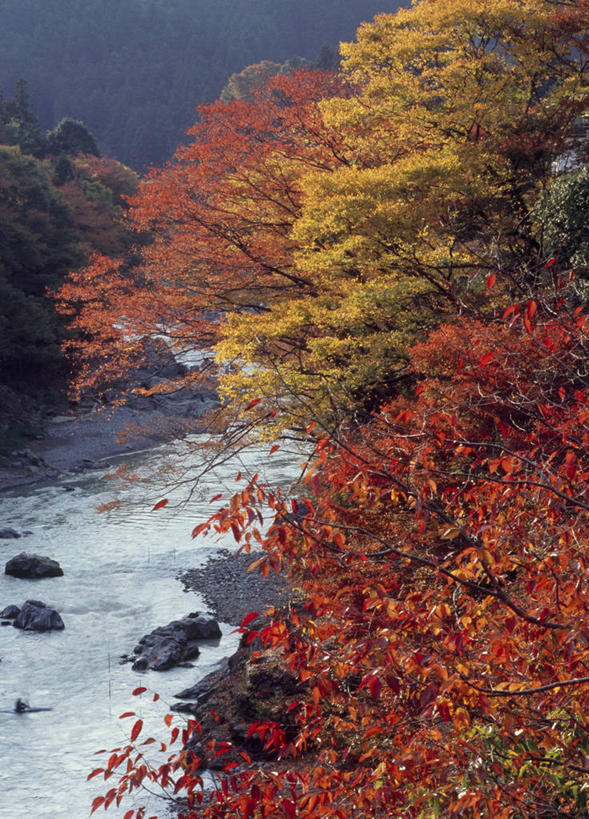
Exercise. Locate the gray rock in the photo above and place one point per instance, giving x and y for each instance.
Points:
(36, 616)
(33, 567)
(10, 612)
(174, 644)
(9, 534)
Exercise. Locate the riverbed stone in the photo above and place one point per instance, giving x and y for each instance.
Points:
(37, 616)
(175, 643)
(9, 613)
(9, 534)
(33, 567)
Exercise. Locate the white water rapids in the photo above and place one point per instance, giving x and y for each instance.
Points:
(119, 584)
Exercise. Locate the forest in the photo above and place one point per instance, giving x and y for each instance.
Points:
(59, 203)
(135, 70)
(390, 261)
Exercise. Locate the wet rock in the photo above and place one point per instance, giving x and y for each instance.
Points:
(174, 644)
(9, 534)
(36, 616)
(10, 612)
(33, 567)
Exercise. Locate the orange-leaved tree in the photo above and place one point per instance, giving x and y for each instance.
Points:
(212, 228)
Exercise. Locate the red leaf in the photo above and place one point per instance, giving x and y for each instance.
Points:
(248, 618)
(486, 359)
(129, 814)
(127, 714)
(160, 504)
(97, 803)
(236, 532)
(532, 307)
(136, 730)
(550, 262)
(274, 449)
(252, 404)
(374, 686)
(168, 719)
(491, 279)
(139, 690)
(95, 773)
(216, 497)
(508, 311)
(198, 529)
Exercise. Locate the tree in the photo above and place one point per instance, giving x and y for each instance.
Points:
(19, 125)
(241, 86)
(38, 246)
(445, 149)
(562, 213)
(220, 216)
(71, 137)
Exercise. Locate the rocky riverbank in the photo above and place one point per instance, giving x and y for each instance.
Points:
(230, 591)
(253, 684)
(63, 438)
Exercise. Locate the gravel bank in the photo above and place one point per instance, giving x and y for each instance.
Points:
(231, 591)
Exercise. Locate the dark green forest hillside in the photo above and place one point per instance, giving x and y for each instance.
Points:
(134, 70)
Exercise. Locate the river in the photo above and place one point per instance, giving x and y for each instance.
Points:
(119, 583)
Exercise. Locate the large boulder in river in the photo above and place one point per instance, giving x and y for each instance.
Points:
(36, 616)
(33, 566)
(175, 643)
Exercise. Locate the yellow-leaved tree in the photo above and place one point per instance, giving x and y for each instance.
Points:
(460, 111)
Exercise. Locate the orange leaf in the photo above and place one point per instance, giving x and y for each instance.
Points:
(168, 719)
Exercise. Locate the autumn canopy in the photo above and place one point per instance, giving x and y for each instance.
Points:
(370, 255)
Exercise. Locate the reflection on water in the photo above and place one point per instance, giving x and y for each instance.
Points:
(119, 583)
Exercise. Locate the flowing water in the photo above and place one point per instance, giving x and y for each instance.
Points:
(120, 582)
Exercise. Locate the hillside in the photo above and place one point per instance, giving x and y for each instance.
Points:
(134, 70)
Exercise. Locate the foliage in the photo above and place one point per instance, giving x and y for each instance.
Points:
(220, 217)
(442, 647)
(333, 233)
(240, 86)
(365, 253)
(562, 211)
(71, 136)
(52, 216)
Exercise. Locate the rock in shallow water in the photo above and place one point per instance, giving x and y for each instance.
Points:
(9, 534)
(175, 643)
(10, 612)
(36, 616)
(33, 567)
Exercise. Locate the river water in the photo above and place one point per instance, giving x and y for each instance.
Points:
(119, 583)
